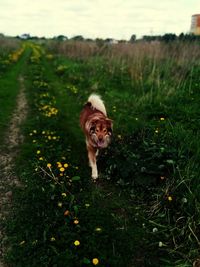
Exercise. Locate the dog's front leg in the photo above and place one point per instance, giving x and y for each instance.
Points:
(92, 161)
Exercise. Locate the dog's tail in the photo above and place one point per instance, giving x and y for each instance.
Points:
(97, 103)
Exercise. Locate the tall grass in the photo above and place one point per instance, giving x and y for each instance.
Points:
(155, 69)
(8, 44)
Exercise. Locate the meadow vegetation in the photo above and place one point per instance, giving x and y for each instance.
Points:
(145, 208)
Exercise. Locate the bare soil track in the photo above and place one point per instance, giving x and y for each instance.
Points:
(8, 152)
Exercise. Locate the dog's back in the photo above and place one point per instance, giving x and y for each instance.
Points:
(94, 105)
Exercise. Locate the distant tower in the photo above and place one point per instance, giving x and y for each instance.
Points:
(195, 24)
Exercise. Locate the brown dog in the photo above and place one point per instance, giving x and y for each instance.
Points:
(97, 128)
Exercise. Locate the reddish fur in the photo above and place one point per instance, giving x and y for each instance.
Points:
(102, 127)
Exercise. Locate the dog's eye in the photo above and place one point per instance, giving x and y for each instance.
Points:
(92, 129)
(97, 130)
(105, 130)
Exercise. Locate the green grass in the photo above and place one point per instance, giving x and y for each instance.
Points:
(146, 204)
(9, 81)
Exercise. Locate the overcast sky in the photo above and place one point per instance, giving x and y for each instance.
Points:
(117, 19)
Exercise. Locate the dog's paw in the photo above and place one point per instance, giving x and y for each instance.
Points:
(94, 177)
(94, 172)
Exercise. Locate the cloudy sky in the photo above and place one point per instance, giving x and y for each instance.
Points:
(117, 19)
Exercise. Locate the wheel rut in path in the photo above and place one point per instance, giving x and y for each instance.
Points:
(13, 138)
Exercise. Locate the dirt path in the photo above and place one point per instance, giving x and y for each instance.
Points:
(8, 179)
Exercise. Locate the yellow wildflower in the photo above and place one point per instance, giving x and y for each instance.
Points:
(77, 243)
(76, 221)
(169, 198)
(60, 204)
(62, 169)
(64, 195)
(49, 165)
(66, 165)
(95, 261)
(59, 164)
(52, 239)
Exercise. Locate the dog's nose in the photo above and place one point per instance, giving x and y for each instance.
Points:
(100, 138)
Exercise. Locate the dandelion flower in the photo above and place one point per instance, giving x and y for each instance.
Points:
(60, 204)
(162, 119)
(77, 243)
(59, 164)
(76, 221)
(169, 198)
(62, 169)
(160, 244)
(66, 165)
(52, 239)
(49, 165)
(156, 131)
(38, 151)
(87, 205)
(64, 195)
(41, 158)
(98, 229)
(95, 261)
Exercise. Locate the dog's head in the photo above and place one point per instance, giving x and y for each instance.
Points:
(100, 132)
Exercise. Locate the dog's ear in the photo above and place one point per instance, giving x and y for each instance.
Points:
(109, 126)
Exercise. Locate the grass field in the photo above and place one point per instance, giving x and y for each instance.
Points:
(145, 208)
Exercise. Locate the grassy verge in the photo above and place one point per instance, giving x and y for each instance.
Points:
(146, 205)
(10, 87)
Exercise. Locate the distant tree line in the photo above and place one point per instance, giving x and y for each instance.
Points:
(168, 37)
